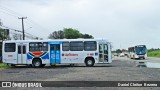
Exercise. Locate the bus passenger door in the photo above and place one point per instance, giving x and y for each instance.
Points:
(105, 48)
(22, 58)
(103, 53)
(54, 53)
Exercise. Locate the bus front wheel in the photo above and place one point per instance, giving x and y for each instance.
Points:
(37, 63)
(89, 62)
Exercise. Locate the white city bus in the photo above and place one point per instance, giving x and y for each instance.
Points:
(38, 53)
(137, 52)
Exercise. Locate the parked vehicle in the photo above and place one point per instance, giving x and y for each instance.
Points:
(38, 53)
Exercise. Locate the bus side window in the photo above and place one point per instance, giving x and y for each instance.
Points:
(35, 46)
(76, 46)
(65, 46)
(90, 45)
(10, 47)
(45, 46)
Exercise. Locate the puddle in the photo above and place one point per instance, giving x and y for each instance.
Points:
(141, 64)
(148, 64)
(152, 65)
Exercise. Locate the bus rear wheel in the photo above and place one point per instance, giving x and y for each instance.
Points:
(37, 63)
(89, 62)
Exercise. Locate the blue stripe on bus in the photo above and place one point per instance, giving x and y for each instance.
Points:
(46, 56)
(56, 42)
(29, 56)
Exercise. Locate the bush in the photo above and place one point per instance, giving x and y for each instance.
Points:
(154, 53)
(2, 65)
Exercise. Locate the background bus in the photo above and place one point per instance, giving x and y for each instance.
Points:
(38, 53)
(137, 52)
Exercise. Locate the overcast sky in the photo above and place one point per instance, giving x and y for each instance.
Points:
(125, 23)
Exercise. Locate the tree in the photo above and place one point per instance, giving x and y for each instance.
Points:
(68, 33)
(4, 34)
(71, 33)
(118, 51)
(56, 35)
(15, 36)
(60, 34)
(86, 36)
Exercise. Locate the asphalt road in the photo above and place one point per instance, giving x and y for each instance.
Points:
(121, 69)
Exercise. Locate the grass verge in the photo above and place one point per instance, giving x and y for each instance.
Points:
(2, 65)
(155, 53)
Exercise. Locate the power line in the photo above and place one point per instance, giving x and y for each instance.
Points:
(28, 21)
(9, 10)
(1, 22)
(8, 14)
(11, 29)
(17, 14)
(27, 34)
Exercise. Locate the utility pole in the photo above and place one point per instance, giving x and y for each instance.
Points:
(23, 26)
(0, 22)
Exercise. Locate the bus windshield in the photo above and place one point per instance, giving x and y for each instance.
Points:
(141, 50)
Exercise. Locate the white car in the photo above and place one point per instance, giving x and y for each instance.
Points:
(122, 55)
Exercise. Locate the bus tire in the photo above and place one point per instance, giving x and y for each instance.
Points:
(89, 62)
(37, 63)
